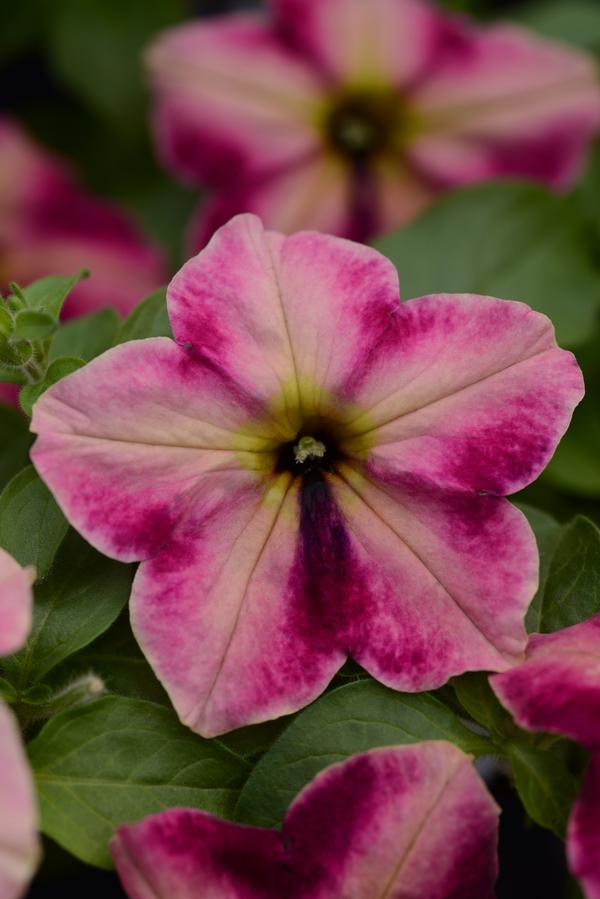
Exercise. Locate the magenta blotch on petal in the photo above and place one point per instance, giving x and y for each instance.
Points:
(393, 544)
(406, 821)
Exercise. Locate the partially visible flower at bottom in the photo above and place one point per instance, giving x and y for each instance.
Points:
(402, 821)
(312, 470)
(19, 844)
(557, 689)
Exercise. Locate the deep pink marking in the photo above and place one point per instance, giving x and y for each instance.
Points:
(549, 157)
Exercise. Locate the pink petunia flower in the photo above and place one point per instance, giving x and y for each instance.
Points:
(557, 689)
(312, 469)
(50, 226)
(19, 845)
(350, 116)
(415, 820)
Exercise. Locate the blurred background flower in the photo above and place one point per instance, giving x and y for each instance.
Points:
(49, 225)
(351, 117)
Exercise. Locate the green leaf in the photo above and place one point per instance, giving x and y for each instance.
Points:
(87, 336)
(576, 464)
(7, 691)
(547, 534)
(32, 527)
(352, 718)
(15, 441)
(6, 321)
(479, 700)
(587, 189)
(572, 589)
(254, 740)
(79, 601)
(57, 370)
(509, 240)
(50, 293)
(545, 785)
(149, 319)
(117, 760)
(575, 21)
(33, 324)
(96, 48)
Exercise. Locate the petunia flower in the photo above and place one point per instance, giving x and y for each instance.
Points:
(312, 469)
(19, 845)
(49, 226)
(350, 116)
(406, 821)
(557, 689)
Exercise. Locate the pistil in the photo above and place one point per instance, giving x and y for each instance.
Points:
(309, 448)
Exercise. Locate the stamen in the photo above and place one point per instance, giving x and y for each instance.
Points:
(309, 448)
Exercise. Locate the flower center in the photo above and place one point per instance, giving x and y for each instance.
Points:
(363, 125)
(309, 448)
(308, 454)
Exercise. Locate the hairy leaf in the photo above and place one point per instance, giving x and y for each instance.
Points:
(545, 785)
(149, 319)
(80, 600)
(350, 719)
(32, 527)
(572, 588)
(87, 336)
(117, 760)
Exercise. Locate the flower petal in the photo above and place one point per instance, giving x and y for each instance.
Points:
(445, 580)
(265, 592)
(468, 392)
(501, 101)
(19, 845)
(318, 189)
(124, 477)
(557, 688)
(357, 830)
(231, 98)
(417, 820)
(24, 172)
(169, 855)
(383, 42)
(289, 313)
(583, 835)
(322, 191)
(236, 592)
(399, 194)
(15, 604)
